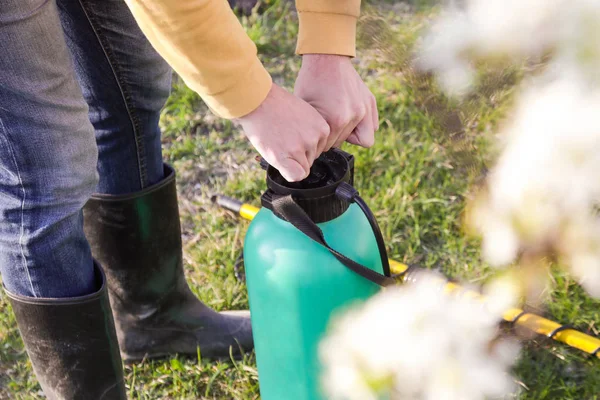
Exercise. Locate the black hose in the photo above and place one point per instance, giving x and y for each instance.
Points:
(377, 231)
(350, 194)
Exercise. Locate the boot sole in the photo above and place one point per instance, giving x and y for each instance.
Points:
(129, 359)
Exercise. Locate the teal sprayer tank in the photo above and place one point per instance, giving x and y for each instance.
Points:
(296, 283)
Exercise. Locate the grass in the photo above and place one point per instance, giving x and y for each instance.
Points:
(416, 178)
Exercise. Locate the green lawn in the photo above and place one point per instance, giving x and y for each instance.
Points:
(416, 178)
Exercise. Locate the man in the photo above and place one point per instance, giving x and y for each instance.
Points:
(88, 207)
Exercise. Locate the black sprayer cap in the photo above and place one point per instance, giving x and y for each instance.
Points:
(315, 194)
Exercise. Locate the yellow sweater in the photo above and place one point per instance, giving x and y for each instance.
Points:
(207, 46)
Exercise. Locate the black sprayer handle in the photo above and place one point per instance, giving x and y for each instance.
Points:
(288, 209)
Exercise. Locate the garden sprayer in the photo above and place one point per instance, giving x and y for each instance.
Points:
(312, 250)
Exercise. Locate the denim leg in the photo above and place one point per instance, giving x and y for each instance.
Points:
(48, 157)
(125, 83)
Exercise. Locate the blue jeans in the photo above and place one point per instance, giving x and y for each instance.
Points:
(81, 91)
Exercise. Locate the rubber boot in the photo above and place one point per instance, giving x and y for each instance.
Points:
(137, 239)
(72, 344)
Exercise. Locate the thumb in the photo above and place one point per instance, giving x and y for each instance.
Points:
(292, 170)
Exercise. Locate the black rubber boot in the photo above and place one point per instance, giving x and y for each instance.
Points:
(137, 239)
(72, 344)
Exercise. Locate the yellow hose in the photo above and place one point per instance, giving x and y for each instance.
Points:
(532, 322)
(248, 212)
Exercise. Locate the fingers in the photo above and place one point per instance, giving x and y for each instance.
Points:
(322, 146)
(310, 155)
(342, 125)
(295, 166)
(293, 170)
(332, 139)
(288, 132)
(347, 132)
(364, 134)
(361, 125)
(374, 113)
(324, 134)
(353, 139)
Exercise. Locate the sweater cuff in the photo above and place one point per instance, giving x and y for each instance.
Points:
(326, 33)
(244, 97)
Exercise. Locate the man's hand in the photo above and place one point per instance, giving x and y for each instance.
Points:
(287, 132)
(333, 87)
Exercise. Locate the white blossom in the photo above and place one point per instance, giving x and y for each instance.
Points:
(487, 29)
(415, 342)
(545, 185)
(542, 192)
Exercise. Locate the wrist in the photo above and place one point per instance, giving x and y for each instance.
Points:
(324, 59)
(258, 109)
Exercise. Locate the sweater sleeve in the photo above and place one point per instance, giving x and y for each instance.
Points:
(327, 26)
(206, 45)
